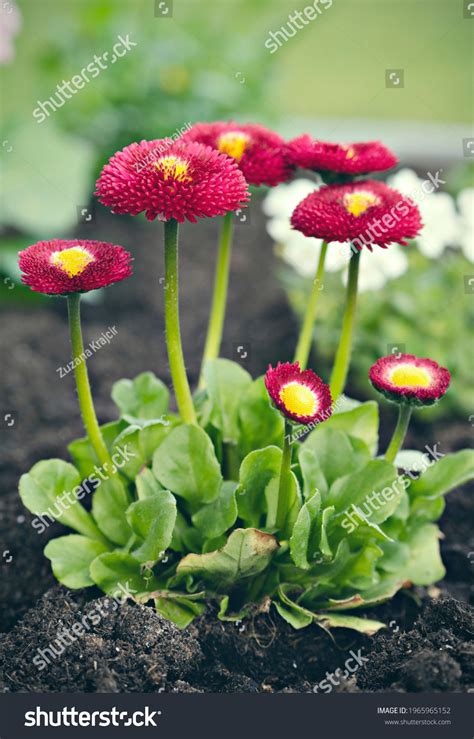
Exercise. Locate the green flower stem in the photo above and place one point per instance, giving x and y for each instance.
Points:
(404, 415)
(285, 473)
(343, 354)
(82, 383)
(219, 298)
(173, 331)
(303, 347)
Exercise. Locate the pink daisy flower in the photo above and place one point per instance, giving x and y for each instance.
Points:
(351, 159)
(168, 179)
(405, 378)
(299, 394)
(366, 212)
(59, 267)
(260, 153)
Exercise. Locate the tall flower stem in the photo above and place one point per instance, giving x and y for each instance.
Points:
(86, 403)
(404, 415)
(285, 475)
(219, 297)
(173, 332)
(343, 355)
(303, 347)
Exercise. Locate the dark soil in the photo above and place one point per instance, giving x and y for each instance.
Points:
(132, 648)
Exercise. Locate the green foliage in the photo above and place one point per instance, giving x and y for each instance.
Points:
(178, 526)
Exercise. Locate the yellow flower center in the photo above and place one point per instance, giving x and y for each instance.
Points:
(173, 168)
(410, 376)
(350, 152)
(358, 202)
(233, 143)
(298, 399)
(73, 261)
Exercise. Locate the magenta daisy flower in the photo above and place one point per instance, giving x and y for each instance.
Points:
(59, 267)
(405, 378)
(168, 179)
(349, 159)
(299, 394)
(366, 212)
(260, 153)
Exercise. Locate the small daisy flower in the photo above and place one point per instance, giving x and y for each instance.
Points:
(409, 380)
(260, 153)
(347, 159)
(59, 267)
(168, 179)
(365, 212)
(300, 395)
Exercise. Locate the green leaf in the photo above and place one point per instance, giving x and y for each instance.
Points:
(372, 488)
(83, 454)
(147, 484)
(52, 487)
(361, 422)
(140, 443)
(109, 506)
(343, 621)
(445, 475)
(180, 608)
(294, 505)
(304, 541)
(152, 520)
(425, 565)
(425, 510)
(261, 425)
(186, 464)
(226, 381)
(217, 517)
(246, 553)
(334, 451)
(313, 478)
(145, 398)
(71, 557)
(256, 471)
(119, 574)
(300, 617)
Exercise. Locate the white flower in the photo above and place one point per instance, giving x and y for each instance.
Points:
(438, 213)
(282, 200)
(466, 209)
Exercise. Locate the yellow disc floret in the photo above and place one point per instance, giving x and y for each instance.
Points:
(173, 168)
(298, 399)
(73, 261)
(358, 202)
(350, 152)
(410, 376)
(233, 143)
